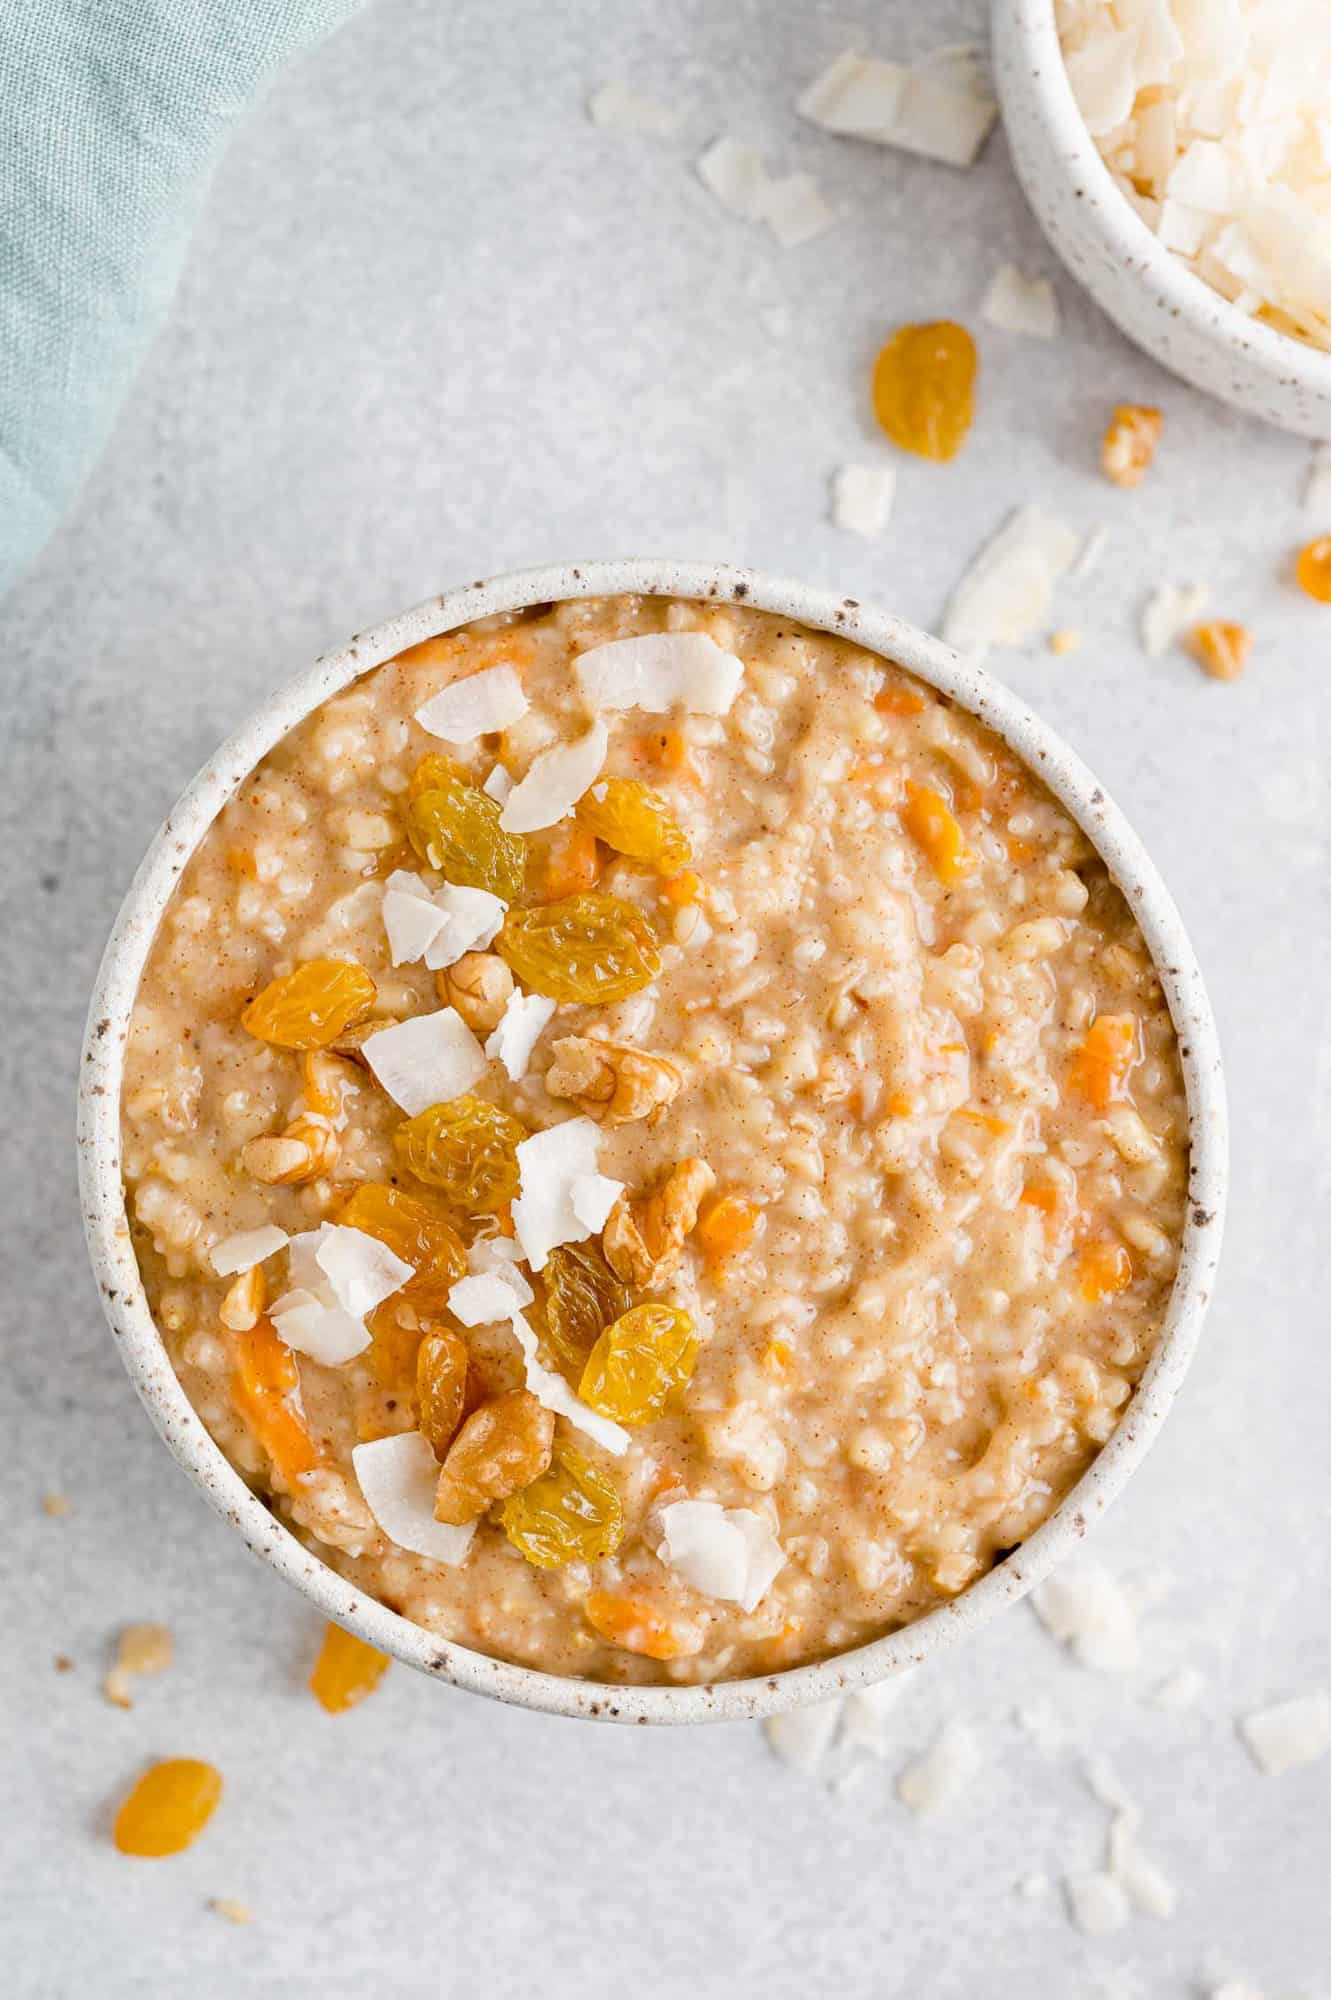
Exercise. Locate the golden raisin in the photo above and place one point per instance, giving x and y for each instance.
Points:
(924, 388)
(416, 1228)
(501, 1448)
(168, 1808)
(441, 1387)
(639, 1363)
(346, 1670)
(312, 1006)
(931, 823)
(1101, 1066)
(435, 771)
(467, 1149)
(455, 828)
(637, 822)
(1313, 569)
(591, 948)
(570, 1514)
(667, 753)
(582, 1297)
(1130, 443)
(1222, 648)
(639, 1628)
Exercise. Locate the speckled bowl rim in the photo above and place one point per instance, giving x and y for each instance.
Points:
(117, 1272)
(1029, 25)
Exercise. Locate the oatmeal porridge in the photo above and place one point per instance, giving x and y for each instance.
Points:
(653, 1141)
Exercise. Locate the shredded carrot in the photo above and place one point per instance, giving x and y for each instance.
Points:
(572, 863)
(637, 1627)
(900, 1104)
(1101, 1066)
(666, 751)
(930, 821)
(898, 699)
(1042, 1195)
(985, 1118)
(1103, 1269)
(266, 1391)
(681, 890)
(725, 1227)
(240, 860)
(777, 1357)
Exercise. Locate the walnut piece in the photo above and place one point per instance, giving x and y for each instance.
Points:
(612, 1080)
(141, 1649)
(305, 1150)
(643, 1237)
(1130, 442)
(500, 1449)
(479, 985)
(352, 1040)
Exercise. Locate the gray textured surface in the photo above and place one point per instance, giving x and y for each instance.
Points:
(435, 324)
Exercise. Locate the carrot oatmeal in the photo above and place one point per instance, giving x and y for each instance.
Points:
(653, 1141)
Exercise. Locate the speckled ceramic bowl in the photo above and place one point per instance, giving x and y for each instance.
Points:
(122, 1290)
(1144, 288)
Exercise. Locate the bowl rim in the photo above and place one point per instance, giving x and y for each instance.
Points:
(1283, 357)
(121, 1288)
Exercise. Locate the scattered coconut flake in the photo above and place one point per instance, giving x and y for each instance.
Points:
(1144, 1883)
(233, 1911)
(361, 1270)
(1086, 1610)
(796, 210)
(938, 1777)
(1317, 482)
(939, 110)
(862, 498)
(498, 785)
(728, 1553)
(1033, 1886)
(246, 1248)
(659, 671)
(1092, 548)
(865, 1713)
(1181, 1690)
(1104, 1784)
(499, 1253)
(557, 779)
(478, 705)
(325, 1332)
(803, 1736)
(140, 1650)
(550, 1163)
(412, 918)
(1019, 304)
(518, 1031)
(553, 1393)
(1006, 592)
(591, 1197)
(735, 174)
(473, 919)
(487, 1298)
(617, 108)
(398, 1477)
(1097, 1903)
(1289, 1734)
(1169, 612)
(425, 1060)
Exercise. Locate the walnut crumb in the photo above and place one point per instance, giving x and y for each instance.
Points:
(141, 1649)
(57, 1505)
(644, 1237)
(612, 1080)
(228, 1907)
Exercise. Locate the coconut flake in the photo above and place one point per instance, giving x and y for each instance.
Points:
(361, 1271)
(426, 1060)
(803, 1736)
(1144, 1883)
(246, 1248)
(485, 1300)
(1006, 592)
(863, 1723)
(617, 108)
(477, 705)
(1181, 1690)
(517, 1032)
(938, 1777)
(1103, 76)
(398, 1477)
(939, 109)
(660, 671)
(553, 1393)
(728, 1553)
(498, 785)
(1097, 1903)
(1019, 304)
(1168, 613)
(862, 498)
(591, 1197)
(307, 1322)
(1289, 1734)
(555, 782)
(1087, 1611)
(412, 918)
(550, 1164)
(796, 210)
(735, 174)
(473, 919)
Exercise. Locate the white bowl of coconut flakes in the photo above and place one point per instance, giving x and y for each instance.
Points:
(1178, 155)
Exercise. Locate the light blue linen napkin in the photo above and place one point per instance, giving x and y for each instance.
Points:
(112, 115)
